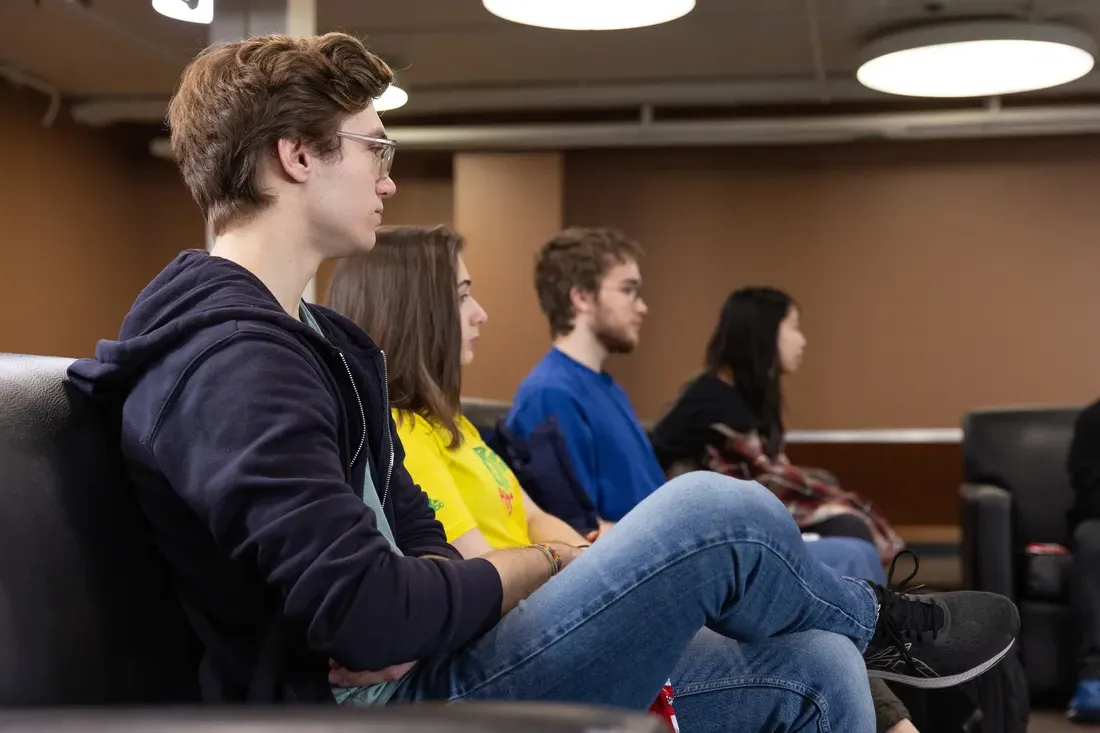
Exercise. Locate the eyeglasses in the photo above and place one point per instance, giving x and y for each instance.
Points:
(383, 148)
(633, 291)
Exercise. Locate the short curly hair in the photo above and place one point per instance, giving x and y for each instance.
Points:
(579, 257)
(235, 101)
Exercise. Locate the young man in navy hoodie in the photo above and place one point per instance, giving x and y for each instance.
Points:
(258, 435)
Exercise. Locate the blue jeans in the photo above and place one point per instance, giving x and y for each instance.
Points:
(850, 557)
(707, 582)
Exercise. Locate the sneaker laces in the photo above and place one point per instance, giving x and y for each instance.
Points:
(902, 620)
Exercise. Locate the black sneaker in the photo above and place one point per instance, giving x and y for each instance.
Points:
(938, 640)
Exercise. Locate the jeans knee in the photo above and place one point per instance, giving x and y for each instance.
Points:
(838, 670)
(708, 497)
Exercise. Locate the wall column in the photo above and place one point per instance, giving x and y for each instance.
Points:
(507, 205)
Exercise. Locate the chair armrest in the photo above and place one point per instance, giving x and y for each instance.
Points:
(987, 549)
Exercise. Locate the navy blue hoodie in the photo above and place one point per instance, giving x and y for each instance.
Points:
(247, 436)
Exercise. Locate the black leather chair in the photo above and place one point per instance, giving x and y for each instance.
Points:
(85, 613)
(87, 622)
(1016, 492)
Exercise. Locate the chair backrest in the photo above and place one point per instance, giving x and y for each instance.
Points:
(485, 414)
(86, 616)
(1024, 451)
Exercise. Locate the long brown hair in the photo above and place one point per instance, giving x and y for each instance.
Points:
(404, 293)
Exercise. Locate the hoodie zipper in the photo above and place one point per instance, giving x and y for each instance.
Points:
(386, 419)
(363, 417)
(362, 414)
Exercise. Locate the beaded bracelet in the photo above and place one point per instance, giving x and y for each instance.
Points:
(554, 558)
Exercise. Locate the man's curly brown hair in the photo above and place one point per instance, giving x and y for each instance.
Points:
(235, 101)
(579, 257)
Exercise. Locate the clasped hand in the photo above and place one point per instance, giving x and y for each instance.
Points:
(341, 676)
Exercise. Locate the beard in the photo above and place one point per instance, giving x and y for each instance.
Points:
(615, 340)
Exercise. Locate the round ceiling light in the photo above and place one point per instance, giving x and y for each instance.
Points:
(192, 11)
(589, 15)
(392, 98)
(976, 59)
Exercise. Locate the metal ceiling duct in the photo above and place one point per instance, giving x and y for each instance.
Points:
(955, 124)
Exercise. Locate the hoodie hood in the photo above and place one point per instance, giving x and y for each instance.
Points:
(196, 291)
(251, 446)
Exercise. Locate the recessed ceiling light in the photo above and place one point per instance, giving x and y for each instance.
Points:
(392, 98)
(193, 11)
(589, 15)
(976, 59)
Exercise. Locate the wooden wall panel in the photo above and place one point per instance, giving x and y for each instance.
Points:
(912, 483)
(934, 277)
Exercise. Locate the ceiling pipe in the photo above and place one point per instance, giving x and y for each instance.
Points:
(21, 78)
(796, 90)
(105, 111)
(773, 131)
(945, 125)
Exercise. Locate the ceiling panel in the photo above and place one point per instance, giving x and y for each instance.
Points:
(123, 47)
(441, 58)
(470, 14)
(92, 52)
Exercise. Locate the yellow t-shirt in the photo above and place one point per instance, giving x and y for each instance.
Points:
(468, 487)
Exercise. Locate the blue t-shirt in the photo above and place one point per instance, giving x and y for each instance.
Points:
(609, 449)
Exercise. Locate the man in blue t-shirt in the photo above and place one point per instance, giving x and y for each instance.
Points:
(590, 288)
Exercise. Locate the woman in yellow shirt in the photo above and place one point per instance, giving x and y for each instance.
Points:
(403, 295)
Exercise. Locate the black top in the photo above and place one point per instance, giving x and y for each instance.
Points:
(684, 432)
(1084, 465)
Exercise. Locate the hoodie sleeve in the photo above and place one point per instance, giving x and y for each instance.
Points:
(249, 440)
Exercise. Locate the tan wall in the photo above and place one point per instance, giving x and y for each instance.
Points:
(171, 220)
(933, 277)
(425, 197)
(78, 240)
(88, 221)
(506, 205)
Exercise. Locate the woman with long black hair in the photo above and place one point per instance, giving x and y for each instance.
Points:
(757, 342)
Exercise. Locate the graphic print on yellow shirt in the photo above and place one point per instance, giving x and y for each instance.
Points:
(468, 487)
(501, 474)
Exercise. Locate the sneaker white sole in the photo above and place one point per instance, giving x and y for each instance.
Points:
(937, 683)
